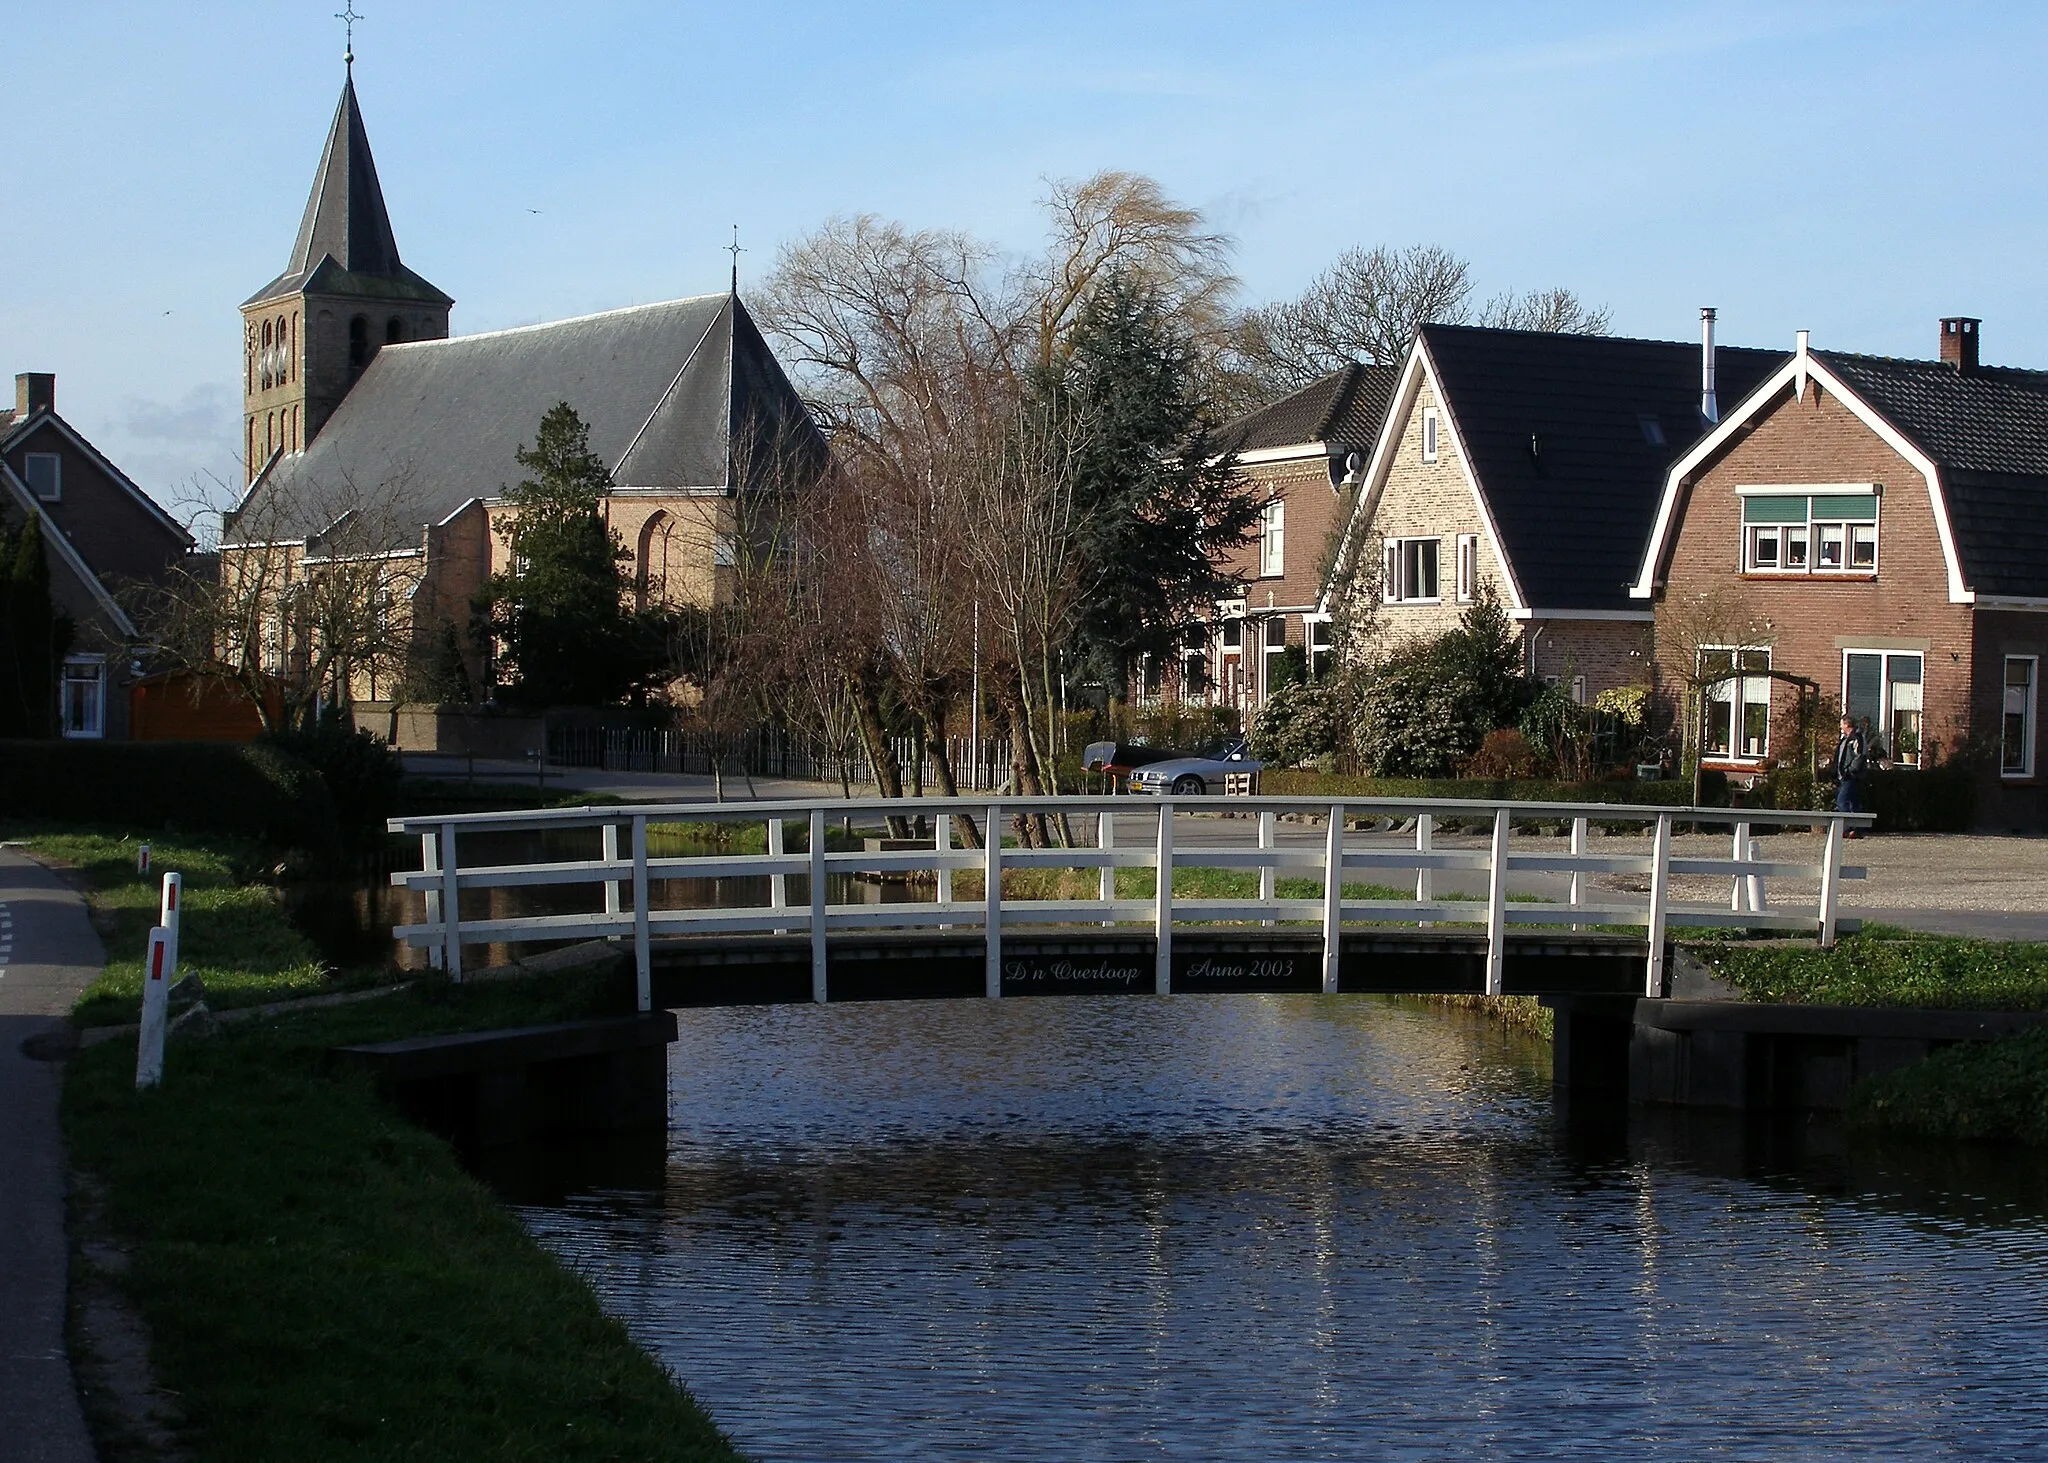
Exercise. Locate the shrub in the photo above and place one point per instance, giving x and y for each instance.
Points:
(1428, 706)
(1556, 728)
(1505, 753)
(1301, 723)
(362, 773)
(247, 791)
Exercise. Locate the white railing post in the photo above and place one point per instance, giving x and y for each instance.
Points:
(643, 953)
(1497, 906)
(818, 992)
(1105, 839)
(1333, 898)
(1162, 901)
(430, 863)
(1580, 830)
(1267, 873)
(992, 866)
(611, 856)
(1831, 884)
(1425, 879)
(942, 842)
(451, 906)
(1739, 885)
(1660, 900)
(778, 883)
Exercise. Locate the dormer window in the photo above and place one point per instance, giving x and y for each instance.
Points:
(1830, 530)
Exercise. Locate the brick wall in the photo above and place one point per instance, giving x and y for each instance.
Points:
(1810, 620)
(119, 537)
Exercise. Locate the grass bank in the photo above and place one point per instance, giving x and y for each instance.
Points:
(320, 1279)
(1881, 966)
(1988, 1092)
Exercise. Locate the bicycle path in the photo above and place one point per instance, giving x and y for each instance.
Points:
(49, 952)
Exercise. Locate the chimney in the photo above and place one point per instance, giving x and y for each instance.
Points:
(1710, 405)
(1959, 343)
(34, 391)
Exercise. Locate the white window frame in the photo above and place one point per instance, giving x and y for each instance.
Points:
(1396, 568)
(2030, 727)
(1311, 625)
(1737, 694)
(1430, 434)
(56, 465)
(1468, 567)
(1886, 710)
(97, 664)
(1810, 532)
(1273, 539)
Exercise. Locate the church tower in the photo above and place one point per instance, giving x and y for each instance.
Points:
(309, 333)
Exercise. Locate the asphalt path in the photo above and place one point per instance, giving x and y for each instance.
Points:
(48, 954)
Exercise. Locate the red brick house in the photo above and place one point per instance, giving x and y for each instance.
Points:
(1879, 529)
(1302, 454)
(101, 534)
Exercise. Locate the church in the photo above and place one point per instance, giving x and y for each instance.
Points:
(374, 435)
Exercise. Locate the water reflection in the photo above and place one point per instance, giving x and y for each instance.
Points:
(1282, 1227)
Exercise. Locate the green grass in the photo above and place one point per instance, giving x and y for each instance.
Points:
(1986, 1092)
(321, 1280)
(234, 935)
(1889, 968)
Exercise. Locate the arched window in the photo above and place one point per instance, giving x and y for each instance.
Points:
(394, 330)
(651, 575)
(269, 434)
(251, 458)
(284, 350)
(358, 343)
(297, 444)
(266, 373)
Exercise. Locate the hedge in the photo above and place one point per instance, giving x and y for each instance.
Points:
(1939, 799)
(1295, 782)
(241, 790)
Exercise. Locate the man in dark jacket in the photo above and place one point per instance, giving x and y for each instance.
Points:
(1852, 761)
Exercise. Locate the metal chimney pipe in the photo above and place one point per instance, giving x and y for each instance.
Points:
(1710, 406)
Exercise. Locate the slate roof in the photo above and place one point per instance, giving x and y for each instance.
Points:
(1575, 512)
(345, 244)
(1345, 408)
(1987, 432)
(660, 387)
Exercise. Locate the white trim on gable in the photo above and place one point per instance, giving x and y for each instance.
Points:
(54, 536)
(1799, 370)
(98, 459)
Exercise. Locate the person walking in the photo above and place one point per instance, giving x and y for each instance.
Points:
(1852, 761)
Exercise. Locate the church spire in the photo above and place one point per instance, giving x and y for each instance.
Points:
(345, 215)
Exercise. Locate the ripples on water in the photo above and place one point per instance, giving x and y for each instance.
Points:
(1279, 1228)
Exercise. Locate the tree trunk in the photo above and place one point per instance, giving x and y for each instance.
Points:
(1031, 831)
(875, 735)
(942, 768)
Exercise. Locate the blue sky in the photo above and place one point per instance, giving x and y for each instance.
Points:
(1855, 169)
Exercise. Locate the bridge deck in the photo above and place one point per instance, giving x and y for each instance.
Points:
(773, 969)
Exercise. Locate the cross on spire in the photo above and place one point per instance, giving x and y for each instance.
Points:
(348, 17)
(735, 250)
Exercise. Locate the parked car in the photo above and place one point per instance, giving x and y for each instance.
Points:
(1196, 775)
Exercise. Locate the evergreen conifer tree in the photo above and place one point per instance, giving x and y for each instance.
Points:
(33, 635)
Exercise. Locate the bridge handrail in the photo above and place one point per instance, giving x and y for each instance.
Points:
(442, 878)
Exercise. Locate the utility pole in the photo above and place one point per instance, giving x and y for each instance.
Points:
(974, 711)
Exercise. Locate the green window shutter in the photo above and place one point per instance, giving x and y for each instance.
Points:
(1846, 508)
(1775, 508)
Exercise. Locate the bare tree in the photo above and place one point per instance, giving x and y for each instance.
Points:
(293, 615)
(1557, 311)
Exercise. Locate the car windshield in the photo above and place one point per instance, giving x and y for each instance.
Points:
(1217, 751)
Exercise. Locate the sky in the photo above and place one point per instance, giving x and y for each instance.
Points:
(1859, 170)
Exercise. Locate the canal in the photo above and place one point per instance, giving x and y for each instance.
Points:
(1281, 1228)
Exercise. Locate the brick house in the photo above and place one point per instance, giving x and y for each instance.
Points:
(358, 403)
(1529, 463)
(102, 535)
(1302, 454)
(1878, 528)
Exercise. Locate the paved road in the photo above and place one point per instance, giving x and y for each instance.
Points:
(48, 954)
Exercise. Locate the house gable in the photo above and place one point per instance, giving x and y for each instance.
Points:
(112, 523)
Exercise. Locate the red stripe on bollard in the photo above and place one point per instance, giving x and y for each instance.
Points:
(156, 960)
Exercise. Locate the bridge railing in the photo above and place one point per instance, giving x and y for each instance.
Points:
(626, 872)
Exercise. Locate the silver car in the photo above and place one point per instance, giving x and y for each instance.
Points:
(1195, 776)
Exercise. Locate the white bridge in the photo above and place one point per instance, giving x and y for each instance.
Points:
(601, 857)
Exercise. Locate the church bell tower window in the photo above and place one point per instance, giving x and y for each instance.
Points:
(358, 343)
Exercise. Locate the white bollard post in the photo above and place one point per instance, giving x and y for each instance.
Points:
(142, 859)
(1425, 878)
(167, 915)
(1759, 901)
(156, 1000)
(1739, 885)
(1268, 875)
